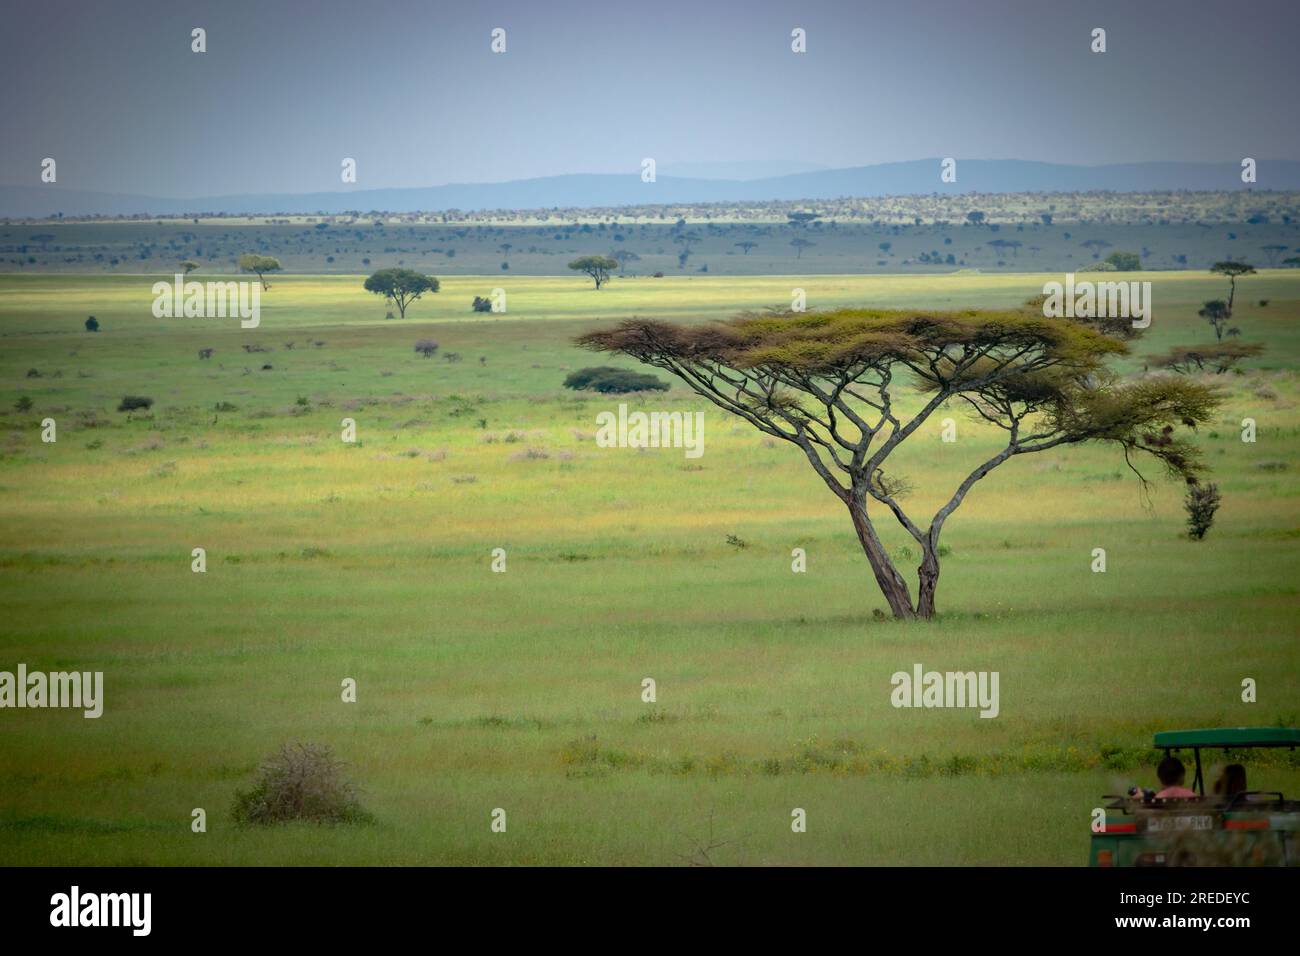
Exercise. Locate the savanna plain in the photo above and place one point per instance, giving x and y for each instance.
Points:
(522, 690)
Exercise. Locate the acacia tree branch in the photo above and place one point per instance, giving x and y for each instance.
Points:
(800, 436)
(873, 488)
(936, 524)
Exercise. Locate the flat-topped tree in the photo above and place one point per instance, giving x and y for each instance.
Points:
(623, 257)
(401, 286)
(801, 244)
(252, 262)
(1218, 357)
(1232, 270)
(598, 267)
(826, 383)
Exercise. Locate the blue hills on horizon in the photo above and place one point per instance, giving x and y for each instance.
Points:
(603, 190)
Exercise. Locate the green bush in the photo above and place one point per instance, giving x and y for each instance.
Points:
(1125, 261)
(613, 381)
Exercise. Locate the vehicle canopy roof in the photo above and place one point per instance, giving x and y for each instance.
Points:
(1229, 737)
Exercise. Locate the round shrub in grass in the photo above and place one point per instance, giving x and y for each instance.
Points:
(132, 403)
(302, 781)
(613, 381)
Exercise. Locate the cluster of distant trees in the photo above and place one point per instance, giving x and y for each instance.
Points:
(1218, 356)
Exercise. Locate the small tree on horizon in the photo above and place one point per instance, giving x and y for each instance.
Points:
(1217, 313)
(1125, 261)
(623, 257)
(598, 267)
(252, 262)
(401, 286)
(1232, 270)
(1218, 357)
(801, 244)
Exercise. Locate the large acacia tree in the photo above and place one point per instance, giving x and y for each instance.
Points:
(830, 383)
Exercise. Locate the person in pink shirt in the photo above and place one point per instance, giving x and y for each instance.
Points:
(1172, 773)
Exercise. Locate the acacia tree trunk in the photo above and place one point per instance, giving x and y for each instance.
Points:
(891, 583)
(928, 573)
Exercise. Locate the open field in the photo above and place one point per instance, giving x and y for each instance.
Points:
(521, 690)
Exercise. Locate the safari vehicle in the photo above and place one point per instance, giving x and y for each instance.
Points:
(1254, 828)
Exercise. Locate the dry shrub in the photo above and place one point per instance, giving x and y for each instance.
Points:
(153, 443)
(302, 781)
(531, 454)
(92, 419)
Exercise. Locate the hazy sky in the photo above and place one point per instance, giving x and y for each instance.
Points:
(411, 90)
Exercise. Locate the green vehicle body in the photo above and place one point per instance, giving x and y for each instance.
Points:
(1255, 828)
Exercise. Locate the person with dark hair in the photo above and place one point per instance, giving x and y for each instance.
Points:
(1172, 773)
(1231, 782)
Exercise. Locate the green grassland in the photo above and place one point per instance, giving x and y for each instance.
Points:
(522, 690)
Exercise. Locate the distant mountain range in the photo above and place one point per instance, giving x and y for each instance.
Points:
(586, 190)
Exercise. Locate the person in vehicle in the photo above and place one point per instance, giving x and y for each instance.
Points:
(1172, 773)
(1231, 782)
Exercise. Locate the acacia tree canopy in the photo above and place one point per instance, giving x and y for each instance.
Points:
(1232, 270)
(252, 262)
(598, 267)
(827, 382)
(403, 286)
(1219, 357)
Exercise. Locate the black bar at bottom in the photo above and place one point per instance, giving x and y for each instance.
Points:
(301, 905)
